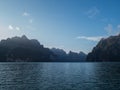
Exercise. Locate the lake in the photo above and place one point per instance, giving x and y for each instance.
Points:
(59, 76)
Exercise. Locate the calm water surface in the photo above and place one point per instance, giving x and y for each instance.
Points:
(59, 76)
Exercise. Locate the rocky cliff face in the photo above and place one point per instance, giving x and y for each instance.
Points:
(106, 50)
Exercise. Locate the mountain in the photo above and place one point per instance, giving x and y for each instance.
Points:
(23, 49)
(73, 56)
(70, 57)
(106, 50)
(61, 55)
(30, 50)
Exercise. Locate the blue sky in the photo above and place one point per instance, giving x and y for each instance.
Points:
(75, 25)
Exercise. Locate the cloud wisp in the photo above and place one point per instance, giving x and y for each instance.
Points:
(25, 14)
(91, 13)
(28, 17)
(112, 30)
(109, 28)
(95, 38)
(11, 27)
(17, 28)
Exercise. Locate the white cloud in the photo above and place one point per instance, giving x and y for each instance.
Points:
(109, 28)
(17, 28)
(112, 30)
(26, 14)
(96, 38)
(92, 12)
(10, 27)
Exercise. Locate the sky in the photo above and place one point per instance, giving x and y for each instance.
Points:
(75, 25)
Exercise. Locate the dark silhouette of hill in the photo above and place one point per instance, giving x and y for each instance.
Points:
(60, 54)
(23, 49)
(106, 50)
(73, 56)
(70, 57)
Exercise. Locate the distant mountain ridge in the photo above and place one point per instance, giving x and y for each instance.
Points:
(23, 49)
(71, 56)
(107, 49)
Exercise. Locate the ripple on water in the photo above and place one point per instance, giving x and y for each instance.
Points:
(59, 76)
